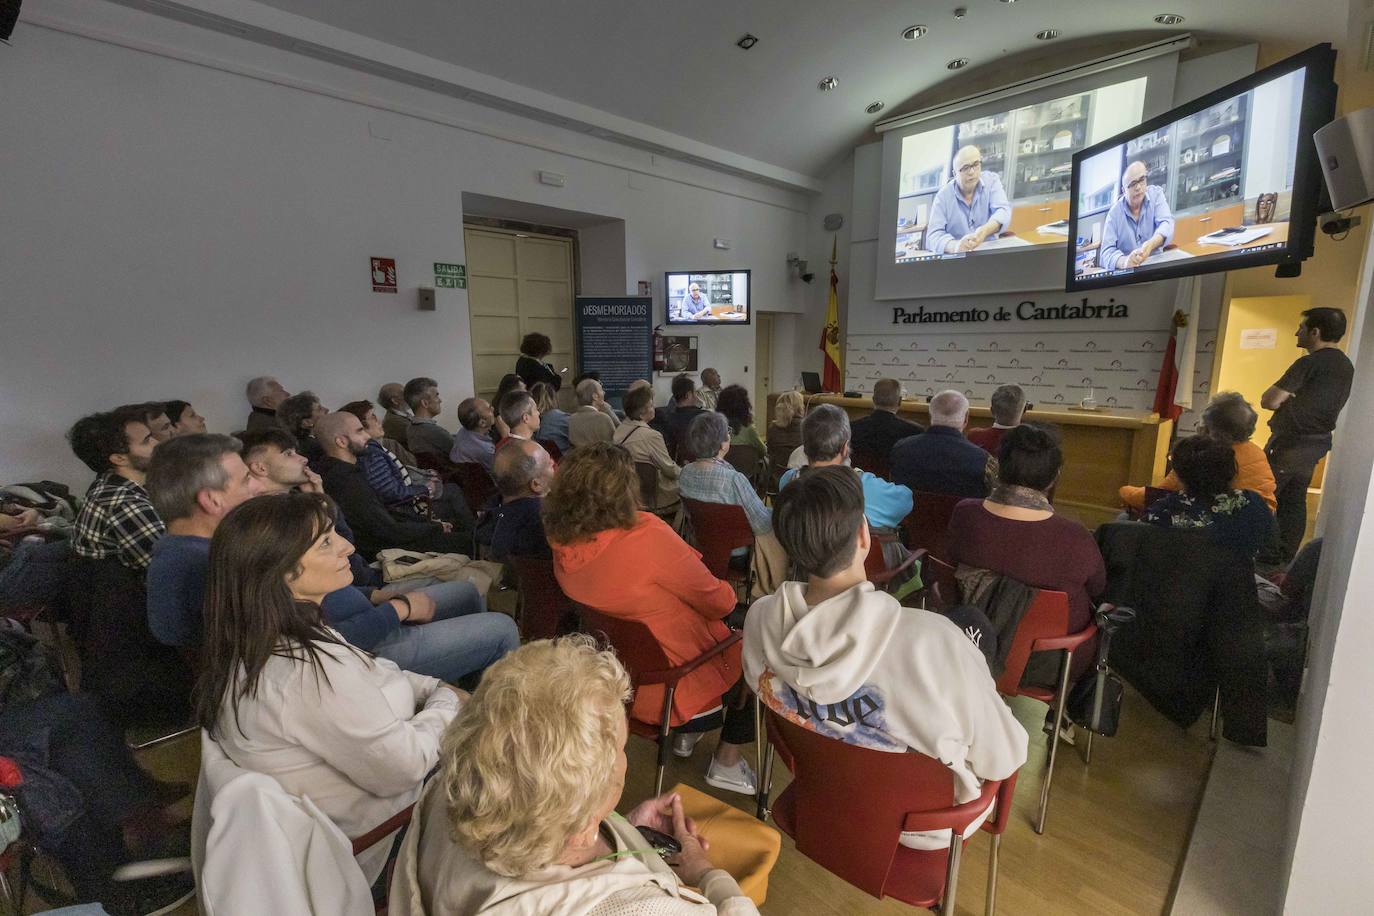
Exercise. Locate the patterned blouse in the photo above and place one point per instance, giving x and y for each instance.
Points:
(1238, 519)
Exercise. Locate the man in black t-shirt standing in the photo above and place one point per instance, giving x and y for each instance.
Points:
(1306, 402)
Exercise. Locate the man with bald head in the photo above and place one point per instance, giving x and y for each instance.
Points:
(1138, 224)
(342, 439)
(524, 472)
(941, 460)
(265, 395)
(397, 419)
(971, 208)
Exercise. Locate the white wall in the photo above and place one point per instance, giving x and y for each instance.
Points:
(179, 218)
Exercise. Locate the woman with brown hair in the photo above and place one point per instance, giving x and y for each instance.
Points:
(610, 556)
(531, 366)
(283, 693)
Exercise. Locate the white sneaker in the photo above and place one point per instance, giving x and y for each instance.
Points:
(684, 744)
(738, 778)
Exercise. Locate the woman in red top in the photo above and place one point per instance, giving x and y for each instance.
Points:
(612, 557)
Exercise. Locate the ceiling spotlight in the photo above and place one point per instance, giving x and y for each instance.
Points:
(874, 108)
(961, 12)
(958, 63)
(747, 42)
(915, 32)
(1008, 1)
(827, 84)
(1047, 34)
(1168, 19)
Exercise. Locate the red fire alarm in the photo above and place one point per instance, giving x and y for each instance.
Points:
(384, 275)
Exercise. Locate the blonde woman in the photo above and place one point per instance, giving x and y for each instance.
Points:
(521, 817)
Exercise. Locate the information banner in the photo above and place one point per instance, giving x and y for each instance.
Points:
(614, 338)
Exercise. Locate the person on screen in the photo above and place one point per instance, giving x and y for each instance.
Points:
(971, 208)
(1138, 224)
(694, 305)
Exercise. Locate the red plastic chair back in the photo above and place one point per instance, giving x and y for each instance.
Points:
(718, 528)
(940, 582)
(648, 485)
(871, 461)
(545, 611)
(381, 832)
(633, 641)
(875, 564)
(477, 486)
(847, 806)
(552, 448)
(1047, 618)
(928, 524)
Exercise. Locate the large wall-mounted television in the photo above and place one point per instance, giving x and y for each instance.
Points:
(701, 297)
(1229, 180)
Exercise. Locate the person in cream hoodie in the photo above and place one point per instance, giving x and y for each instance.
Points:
(836, 656)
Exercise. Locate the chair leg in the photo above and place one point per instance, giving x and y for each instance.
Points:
(759, 739)
(664, 740)
(993, 853)
(1215, 728)
(1088, 751)
(1061, 697)
(956, 848)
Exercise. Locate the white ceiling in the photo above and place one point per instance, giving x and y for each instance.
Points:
(674, 65)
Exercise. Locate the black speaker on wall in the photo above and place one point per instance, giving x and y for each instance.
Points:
(9, 15)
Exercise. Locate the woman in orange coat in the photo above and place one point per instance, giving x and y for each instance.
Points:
(623, 562)
(1228, 417)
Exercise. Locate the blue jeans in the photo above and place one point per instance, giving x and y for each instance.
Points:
(463, 637)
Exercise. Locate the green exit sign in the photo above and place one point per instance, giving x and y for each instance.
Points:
(450, 270)
(451, 282)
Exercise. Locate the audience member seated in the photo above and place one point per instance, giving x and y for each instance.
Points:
(612, 557)
(194, 482)
(733, 402)
(826, 438)
(377, 528)
(520, 415)
(1230, 418)
(531, 368)
(154, 414)
(298, 415)
(1016, 533)
(474, 443)
(684, 410)
(589, 423)
(396, 421)
(185, 420)
(553, 423)
(509, 382)
(834, 643)
(396, 484)
(285, 695)
(425, 436)
(117, 519)
(364, 411)
(265, 395)
(876, 433)
(709, 392)
(644, 443)
(784, 433)
(941, 460)
(1236, 519)
(524, 472)
(551, 842)
(1008, 404)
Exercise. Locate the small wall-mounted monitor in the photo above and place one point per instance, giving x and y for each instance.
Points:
(707, 297)
(1229, 180)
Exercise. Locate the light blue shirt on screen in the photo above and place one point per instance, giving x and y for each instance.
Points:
(1123, 233)
(951, 218)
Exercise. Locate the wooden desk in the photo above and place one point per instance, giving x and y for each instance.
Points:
(726, 313)
(1104, 450)
(1025, 219)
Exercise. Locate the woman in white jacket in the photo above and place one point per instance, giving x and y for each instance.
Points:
(836, 656)
(285, 695)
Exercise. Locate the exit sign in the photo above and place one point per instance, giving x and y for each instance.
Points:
(450, 276)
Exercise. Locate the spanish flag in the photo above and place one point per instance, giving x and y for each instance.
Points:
(832, 379)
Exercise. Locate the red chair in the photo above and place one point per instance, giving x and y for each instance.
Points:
(381, 832)
(552, 448)
(854, 833)
(940, 582)
(431, 461)
(884, 579)
(647, 664)
(869, 460)
(928, 524)
(648, 485)
(545, 612)
(1044, 628)
(475, 482)
(718, 529)
(778, 456)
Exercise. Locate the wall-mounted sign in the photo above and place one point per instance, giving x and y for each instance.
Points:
(1259, 338)
(614, 338)
(1025, 310)
(450, 276)
(384, 275)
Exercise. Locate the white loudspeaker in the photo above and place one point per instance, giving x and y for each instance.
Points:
(1346, 150)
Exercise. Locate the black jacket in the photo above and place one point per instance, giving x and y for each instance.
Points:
(532, 370)
(1199, 625)
(374, 527)
(876, 433)
(940, 460)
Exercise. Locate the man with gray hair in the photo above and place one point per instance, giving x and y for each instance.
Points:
(589, 422)
(969, 209)
(265, 395)
(425, 435)
(874, 435)
(1008, 403)
(826, 440)
(193, 481)
(397, 419)
(524, 472)
(941, 460)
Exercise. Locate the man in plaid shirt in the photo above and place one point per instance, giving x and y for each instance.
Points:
(117, 519)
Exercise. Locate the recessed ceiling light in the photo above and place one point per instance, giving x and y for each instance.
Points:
(1168, 19)
(914, 32)
(1008, 1)
(1047, 34)
(827, 84)
(874, 108)
(958, 63)
(960, 12)
(748, 41)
